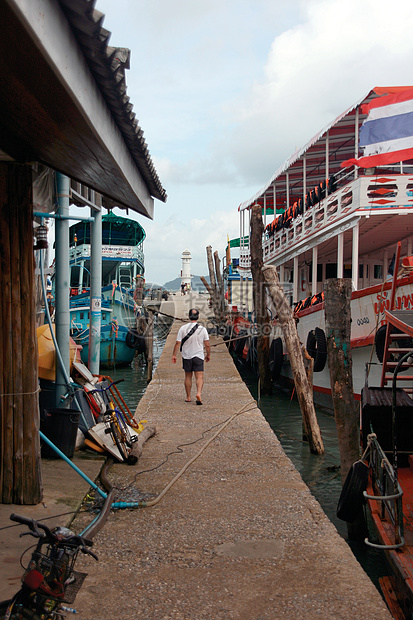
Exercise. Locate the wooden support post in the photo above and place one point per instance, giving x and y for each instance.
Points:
(337, 298)
(309, 369)
(260, 300)
(220, 285)
(20, 473)
(288, 326)
(149, 341)
(208, 288)
(213, 285)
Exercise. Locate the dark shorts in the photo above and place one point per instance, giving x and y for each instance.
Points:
(194, 364)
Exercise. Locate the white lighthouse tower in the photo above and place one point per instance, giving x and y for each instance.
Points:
(186, 269)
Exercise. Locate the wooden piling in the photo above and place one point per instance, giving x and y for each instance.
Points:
(259, 296)
(208, 288)
(309, 369)
(337, 298)
(220, 285)
(20, 473)
(213, 286)
(288, 326)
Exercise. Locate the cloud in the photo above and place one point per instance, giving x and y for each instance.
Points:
(314, 71)
(226, 91)
(166, 241)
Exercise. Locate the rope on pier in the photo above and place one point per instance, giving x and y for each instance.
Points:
(185, 467)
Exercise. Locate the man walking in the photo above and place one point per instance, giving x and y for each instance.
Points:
(191, 340)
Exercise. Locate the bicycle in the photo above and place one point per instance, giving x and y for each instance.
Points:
(49, 580)
(117, 424)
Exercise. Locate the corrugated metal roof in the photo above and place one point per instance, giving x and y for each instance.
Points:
(108, 65)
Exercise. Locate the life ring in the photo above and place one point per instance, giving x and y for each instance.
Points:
(135, 341)
(380, 341)
(317, 348)
(351, 499)
(275, 358)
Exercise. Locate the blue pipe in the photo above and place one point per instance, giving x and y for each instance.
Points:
(128, 504)
(92, 484)
(95, 321)
(65, 458)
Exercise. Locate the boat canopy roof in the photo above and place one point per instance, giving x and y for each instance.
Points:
(320, 158)
(116, 230)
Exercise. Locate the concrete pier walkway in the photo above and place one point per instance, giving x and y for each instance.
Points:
(237, 536)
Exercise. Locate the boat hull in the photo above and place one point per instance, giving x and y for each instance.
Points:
(400, 560)
(367, 308)
(114, 352)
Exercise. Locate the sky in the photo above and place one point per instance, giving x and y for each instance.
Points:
(226, 90)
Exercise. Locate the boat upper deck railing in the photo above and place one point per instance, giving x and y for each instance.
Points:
(110, 252)
(367, 193)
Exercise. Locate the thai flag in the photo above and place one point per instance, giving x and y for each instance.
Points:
(386, 136)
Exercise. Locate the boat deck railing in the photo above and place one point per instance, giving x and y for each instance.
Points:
(367, 192)
(390, 494)
(83, 301)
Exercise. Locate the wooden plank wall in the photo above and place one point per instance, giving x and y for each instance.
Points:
(20, 472)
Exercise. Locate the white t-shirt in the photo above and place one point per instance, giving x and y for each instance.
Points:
(194, 346)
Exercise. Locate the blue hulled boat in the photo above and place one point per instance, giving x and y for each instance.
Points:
(122, 288)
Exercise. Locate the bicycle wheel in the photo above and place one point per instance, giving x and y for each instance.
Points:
(125, 429)
(119, 440)
(24, 609)
(128, 438)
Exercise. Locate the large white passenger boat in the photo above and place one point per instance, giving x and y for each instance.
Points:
(335, 217)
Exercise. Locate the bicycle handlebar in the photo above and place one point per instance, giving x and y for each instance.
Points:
(105, 389)
(34, 527)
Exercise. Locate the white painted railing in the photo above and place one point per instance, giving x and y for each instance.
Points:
(117, 252)
(365, 193)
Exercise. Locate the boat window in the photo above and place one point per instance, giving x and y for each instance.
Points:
(81, 316)
(361, 271)
(319, 273)
(103, 316)
(378, 272)
(331, 270)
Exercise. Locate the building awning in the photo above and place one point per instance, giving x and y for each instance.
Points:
(63, 101)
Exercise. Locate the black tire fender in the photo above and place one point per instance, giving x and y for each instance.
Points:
(135, 341)
(275, 358)
(351, 499)
(317, 347)
(380, 341)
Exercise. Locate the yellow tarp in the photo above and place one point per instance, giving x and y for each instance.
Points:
(47, 355)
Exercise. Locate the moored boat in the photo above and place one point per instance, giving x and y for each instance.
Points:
(339, 216)
(122, 289)
(383, 478)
